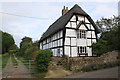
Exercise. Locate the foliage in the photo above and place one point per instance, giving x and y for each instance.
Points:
(100, 47)
(5, 58)
(112, 38)
(29, 51)
(110, 35)
(14, 47)
(24, 45)
(15, 63)
(11, 52)
(36, 44)
(7, 41)
(106, 24)
(43, 59)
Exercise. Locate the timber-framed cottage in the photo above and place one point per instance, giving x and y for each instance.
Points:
(72, 34)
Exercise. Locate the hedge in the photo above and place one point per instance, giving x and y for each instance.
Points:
(42, 60)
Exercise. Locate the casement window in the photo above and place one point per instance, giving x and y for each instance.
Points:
(81, 34)
(81, 49)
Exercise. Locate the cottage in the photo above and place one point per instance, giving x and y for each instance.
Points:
(72, 34)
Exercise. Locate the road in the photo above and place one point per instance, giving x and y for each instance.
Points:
(104, 73)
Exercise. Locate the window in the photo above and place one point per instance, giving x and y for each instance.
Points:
(58, 51)
(81, 34)
(81, 49)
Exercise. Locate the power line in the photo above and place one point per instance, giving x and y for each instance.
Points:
(23, 16)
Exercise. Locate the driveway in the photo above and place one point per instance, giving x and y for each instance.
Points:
(11, 72)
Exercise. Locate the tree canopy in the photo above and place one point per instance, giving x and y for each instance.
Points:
(110, 34)
(7, 41)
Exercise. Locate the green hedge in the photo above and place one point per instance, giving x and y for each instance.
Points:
(43, 59)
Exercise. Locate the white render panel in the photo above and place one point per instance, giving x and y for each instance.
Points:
(73, 41)
(81, 42)
(86, 20)
(81, 18)
(82, 27)
(41, 45)
(89, 51)
(74, 51)
(92, 28)
(67, 41)
(73, 24)
(67, 50)
(94, 41)
(88, 42)
(73, 18)
(93, 34)
(71, 32)
(68, 24)
(89, 34)
(88, 25)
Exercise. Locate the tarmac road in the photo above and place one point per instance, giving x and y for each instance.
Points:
(104, 73)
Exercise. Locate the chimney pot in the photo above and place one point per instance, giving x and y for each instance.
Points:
(64, 10)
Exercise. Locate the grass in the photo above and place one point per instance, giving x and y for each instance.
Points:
(15, 63)
(5, 58)
(0, 62)
(39, 75)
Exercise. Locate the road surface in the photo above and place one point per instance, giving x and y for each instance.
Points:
(11, 72)
(104, 73)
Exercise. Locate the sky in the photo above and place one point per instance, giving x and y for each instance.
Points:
(32, 18)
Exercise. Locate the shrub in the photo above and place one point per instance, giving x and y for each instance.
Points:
(43, 59)
(29, 51)
(100, 47)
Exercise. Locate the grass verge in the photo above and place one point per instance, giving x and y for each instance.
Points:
(5, 58)
(15, 63)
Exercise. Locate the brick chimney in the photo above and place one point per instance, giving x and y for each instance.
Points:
(64, 10)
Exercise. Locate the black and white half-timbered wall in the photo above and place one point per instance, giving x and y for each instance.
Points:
(72, 34)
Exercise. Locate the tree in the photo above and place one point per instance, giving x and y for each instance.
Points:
(100, 47)
(7, 41)
(29, 52)
(106, 24)
(26, 43)
(110, 32)
(14, 47)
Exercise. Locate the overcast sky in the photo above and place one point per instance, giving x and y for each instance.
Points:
(33, 18)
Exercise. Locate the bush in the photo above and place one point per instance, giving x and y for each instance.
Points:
(43, 59)
(100, 47)
(29, 51)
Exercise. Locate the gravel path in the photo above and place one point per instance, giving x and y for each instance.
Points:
(15, 72)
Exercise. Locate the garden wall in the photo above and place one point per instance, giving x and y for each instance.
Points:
(80, 62)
